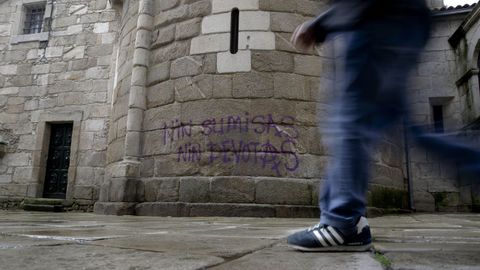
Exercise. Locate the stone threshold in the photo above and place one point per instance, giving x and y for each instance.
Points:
(182, 209)
(45, 204)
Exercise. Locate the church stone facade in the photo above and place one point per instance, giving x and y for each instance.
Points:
(203, 107)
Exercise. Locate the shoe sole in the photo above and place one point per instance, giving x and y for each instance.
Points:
(334, 248)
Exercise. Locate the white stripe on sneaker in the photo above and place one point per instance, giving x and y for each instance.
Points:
(327, 237)
(336, 235)
(320, 238)
(362, 223)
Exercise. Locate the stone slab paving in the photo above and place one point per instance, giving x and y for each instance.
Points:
(35, 240)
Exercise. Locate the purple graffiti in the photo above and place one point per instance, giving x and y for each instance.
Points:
(280, 156)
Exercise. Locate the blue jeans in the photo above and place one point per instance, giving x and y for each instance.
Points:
(376, 61)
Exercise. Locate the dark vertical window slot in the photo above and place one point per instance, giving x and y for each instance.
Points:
(234, 31)
(478, 66)
(438, 118)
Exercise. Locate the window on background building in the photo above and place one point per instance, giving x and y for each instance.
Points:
(438, 124)
(34, 18)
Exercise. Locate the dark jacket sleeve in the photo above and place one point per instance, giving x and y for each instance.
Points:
(344, 15)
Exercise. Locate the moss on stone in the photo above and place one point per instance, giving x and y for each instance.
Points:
(475, 204)
(385, 197)
(446, 200)
(43, 201)
(386, 262)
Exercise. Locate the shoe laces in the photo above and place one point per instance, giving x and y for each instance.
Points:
(316, 227)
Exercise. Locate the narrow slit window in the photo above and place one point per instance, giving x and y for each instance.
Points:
(438, 118)
(234, 31)
(34, 15)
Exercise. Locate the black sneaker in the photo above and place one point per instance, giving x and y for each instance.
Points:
(327, 238)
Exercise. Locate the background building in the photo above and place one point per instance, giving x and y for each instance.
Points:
(203, 107)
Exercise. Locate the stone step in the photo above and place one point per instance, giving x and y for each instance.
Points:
(43, 207)
(43, 201)
(45, 204)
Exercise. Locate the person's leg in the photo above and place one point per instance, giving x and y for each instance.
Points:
(377, 64)
(452, 149)
(377, 59)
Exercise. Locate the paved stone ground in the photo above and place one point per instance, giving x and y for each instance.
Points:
(35, 240)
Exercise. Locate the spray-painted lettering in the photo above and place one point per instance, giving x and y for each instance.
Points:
(219, 145)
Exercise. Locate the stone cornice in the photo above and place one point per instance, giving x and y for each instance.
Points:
(467, 23)
(470, 73)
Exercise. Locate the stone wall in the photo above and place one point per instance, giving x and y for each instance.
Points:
(434, 82)
(168, 121)
(222, 131)
(67, 81)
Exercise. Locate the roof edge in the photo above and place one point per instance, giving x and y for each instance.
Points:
(467, 23)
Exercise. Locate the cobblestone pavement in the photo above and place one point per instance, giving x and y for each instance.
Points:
(36, 240)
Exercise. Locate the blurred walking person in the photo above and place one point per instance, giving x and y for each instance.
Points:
(383, 39)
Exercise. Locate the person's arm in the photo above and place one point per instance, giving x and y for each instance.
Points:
(342, 15)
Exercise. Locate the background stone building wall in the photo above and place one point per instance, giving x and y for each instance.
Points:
(63, 78)
(168, 121)
(446, 76)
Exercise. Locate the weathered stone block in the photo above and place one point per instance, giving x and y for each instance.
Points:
(83, 192)
(27, 142)
(239, 62)
(199, 87)
(100, 28)
(219, 6)
(74, 53)
(187, 29)
(169, 165)
(97, 73)
(194, 189)
(17, 159)
(278, 5)
(222, 86)
(157, 117)
(272, 61)
(9, 91)
(172, 51)
(91, 159)
(308, 65)
(186, 66)
(160, 94)
(163, 36)
(252, 84)
(40, 69)
(122, 190)
(291, 211)
(291, 86)
(210, 43)
(256, 40)
(23, 175)
(147, 167)
(8, 69)
(85, 176)
(285, 22)
(94, 125)
(54, 51)
(311, 8)
(162, 5)
(199, 8)
(231, 210)
(283, 191)
(254, 20)
(162, 190)
(162, 209)
(114, 208)
(232, 190)
(172, 15)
